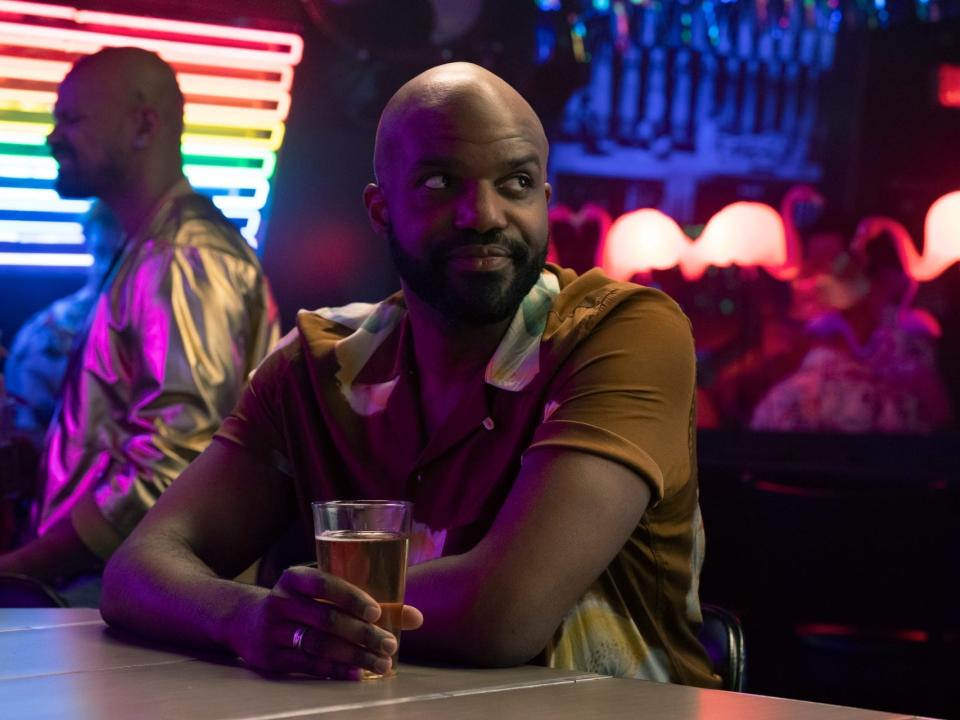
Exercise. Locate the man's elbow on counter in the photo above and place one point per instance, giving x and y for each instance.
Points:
(507, 651)
(504, 635)
(114, 590)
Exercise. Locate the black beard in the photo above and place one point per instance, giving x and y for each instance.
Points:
(75, 183)
(483, 300)
(68, 187)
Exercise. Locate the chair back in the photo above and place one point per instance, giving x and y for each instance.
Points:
(20, 591)
(722, 637)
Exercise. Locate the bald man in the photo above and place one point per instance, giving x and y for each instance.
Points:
(539, 421)
(182, 315)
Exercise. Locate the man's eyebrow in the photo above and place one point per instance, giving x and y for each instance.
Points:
(517, 162)
(439, 162)
(433, 162)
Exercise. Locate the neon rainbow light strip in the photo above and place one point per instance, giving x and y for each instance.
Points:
(236, 83)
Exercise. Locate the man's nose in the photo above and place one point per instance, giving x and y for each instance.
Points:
(53, 135)
(480, 208)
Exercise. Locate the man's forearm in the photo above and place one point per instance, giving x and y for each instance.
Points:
(58, 554)
(309, 622)
(500, 603)
(160, 589)
(471, 615)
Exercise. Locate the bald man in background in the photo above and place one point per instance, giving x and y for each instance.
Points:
(182, 316)
(540, 422)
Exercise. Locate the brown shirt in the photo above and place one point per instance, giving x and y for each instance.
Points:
(587, 364)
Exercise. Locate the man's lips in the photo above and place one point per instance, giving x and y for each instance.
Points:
(480, 258)
(479, 251)
(62, 156)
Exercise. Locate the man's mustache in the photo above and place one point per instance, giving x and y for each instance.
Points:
(59, 150)
(512, 246)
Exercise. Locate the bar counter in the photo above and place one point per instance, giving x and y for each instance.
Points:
(68, 664)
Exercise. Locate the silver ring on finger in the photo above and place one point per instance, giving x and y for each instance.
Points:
(298, 637)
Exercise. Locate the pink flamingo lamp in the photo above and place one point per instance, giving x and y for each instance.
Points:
(748, 234)
(641, 241)
(941, 238)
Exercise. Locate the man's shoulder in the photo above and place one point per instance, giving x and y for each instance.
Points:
(192, 220)
(319, 331)
(587, 299)
(192, 233)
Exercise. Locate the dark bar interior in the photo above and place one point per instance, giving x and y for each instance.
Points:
(787, 170)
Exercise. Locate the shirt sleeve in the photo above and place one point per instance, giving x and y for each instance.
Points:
(256, 421)
(174, 346)
(626, 393)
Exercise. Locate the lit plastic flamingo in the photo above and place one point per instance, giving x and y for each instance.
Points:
(941, 238)
(795, 197)
(641, 241)
(748, 234)
(941, 249)
(752, 234)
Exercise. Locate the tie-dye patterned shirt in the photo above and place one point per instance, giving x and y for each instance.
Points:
(586, 364)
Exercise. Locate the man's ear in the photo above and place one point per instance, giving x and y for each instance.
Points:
(147, 126)
(548, 191)
(376, 205)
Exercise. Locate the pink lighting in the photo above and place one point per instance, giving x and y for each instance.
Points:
(290, 45)
(641, 241)
(37, 10)
(941, 246)
(747, 234)
(948, 86)
(225, 46)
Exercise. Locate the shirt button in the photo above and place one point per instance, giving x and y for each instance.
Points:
(488, 423)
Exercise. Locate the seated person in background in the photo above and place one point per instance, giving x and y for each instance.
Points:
(183, 318)
(541, 423)
(38, 355)
(872, 365)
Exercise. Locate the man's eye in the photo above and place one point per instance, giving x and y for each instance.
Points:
(519, 182)
(436, 182)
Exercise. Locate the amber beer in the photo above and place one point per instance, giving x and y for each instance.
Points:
(374, 561)
(366, 543)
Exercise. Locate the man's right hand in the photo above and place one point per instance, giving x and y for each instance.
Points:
(169, 579)
(333, 619)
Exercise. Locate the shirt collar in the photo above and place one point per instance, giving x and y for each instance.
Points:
(156, 216)
(373, 356)
(516, 361)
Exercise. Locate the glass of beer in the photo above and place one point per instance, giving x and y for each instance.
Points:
(366, 542)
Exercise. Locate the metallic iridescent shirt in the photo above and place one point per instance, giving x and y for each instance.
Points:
(185, 315)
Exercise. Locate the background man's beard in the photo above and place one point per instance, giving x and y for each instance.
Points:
(480, 301)
(71, 186)
(77, 183)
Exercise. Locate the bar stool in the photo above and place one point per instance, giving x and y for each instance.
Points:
(722, 637)
(20, 591)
